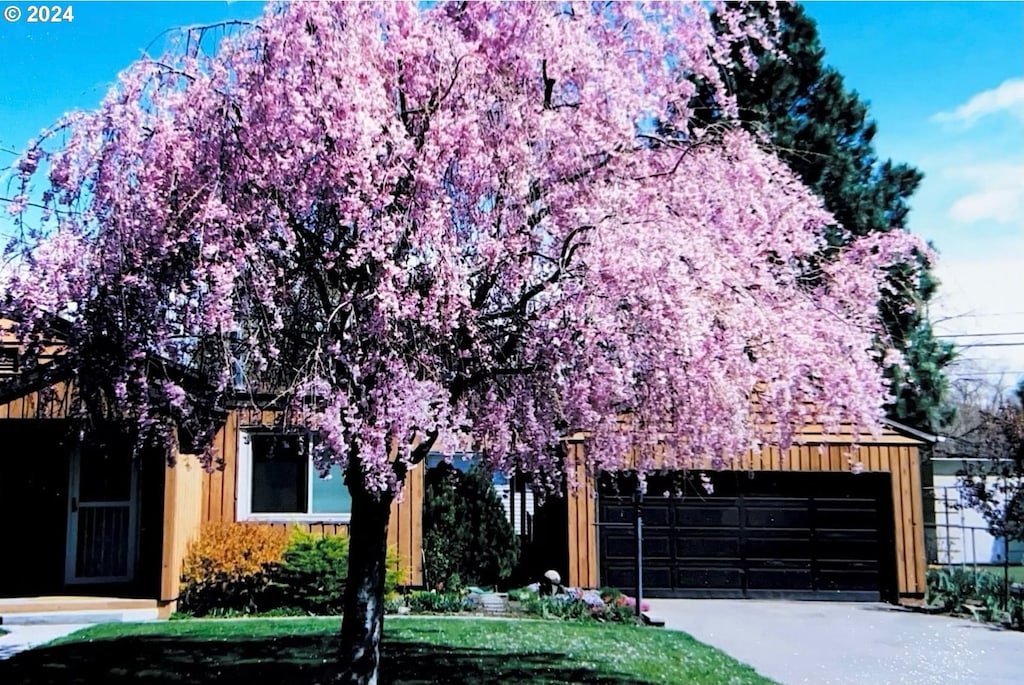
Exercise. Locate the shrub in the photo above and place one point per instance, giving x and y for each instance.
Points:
(230, 568)
(561, 606)
(311, 575)
(237, 568)
(954, 589)
(467, 538)
(394, 576)
(606, 604)
(521, 594)
(428, 602)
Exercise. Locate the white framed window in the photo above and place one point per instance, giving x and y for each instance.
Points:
(278, 482)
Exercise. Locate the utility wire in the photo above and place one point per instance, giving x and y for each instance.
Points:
(1001, 344)
(979, 335)
(967, 375)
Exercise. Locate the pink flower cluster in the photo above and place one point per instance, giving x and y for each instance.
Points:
(455, 223)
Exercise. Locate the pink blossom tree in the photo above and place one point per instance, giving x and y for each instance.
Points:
(468, 223)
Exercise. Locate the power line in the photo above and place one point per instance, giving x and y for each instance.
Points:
(979, 335)
(1007, 344)
(967, 375)
(953, 317)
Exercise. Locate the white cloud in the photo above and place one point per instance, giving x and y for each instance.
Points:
(1000, 205)
(1006, 97)
(996, 193)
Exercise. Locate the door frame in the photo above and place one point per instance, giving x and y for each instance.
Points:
(74, 505)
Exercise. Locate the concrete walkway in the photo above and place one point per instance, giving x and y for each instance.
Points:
(22, 637)
(834, 643)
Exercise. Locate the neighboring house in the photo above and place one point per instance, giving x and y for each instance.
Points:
(92, 520)
(517, 500)
(961, 535)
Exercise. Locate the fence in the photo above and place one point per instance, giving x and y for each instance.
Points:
(959, 535)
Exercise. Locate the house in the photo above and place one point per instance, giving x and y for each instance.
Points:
(961, 535)
(88, 518)
(96, 521)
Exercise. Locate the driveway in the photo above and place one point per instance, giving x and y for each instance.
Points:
(834, 643)
(22, 637)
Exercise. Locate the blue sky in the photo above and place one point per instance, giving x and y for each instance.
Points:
(946, 85)
(945, 81)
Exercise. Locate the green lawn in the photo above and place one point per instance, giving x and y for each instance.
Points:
(1016, 572)
(416, 650)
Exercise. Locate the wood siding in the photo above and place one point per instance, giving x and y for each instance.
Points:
(893, 453)
(582, 508)
(50, 403)
(219, 500)
(183, 486)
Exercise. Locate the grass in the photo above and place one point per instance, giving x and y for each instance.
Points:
(1016, 572)
(416, 651)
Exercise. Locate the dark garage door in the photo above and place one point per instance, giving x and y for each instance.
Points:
(759, 534)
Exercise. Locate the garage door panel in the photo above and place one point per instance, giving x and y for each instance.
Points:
(779, 517)
(658, 513)
(780, 578)
(846, 535)
(841, 503)
(759, 535)
(711, 515)
(619, 576)
(778, 548)
(846, 518)
(656, 545)
(618, 544)
(615, 510)
(658, 576)
(703, 547)
(847, 579)
(709, 578)
(624, 576)
(850, 550)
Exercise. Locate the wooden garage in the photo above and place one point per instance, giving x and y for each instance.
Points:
(825, 520)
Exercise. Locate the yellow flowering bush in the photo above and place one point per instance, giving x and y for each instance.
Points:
(248, 568)
(231, 567)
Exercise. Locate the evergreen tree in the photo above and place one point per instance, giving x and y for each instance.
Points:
(823, 132)
(467, 538)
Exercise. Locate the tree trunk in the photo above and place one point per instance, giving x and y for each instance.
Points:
(363, 619)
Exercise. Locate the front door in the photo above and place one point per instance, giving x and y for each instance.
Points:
(102, 517)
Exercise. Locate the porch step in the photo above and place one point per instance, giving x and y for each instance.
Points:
(68, 610)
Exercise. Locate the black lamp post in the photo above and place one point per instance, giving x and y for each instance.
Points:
(638, 500)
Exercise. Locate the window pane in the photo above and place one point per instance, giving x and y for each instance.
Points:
(105, 475)
(279, 471)
(330, 496)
